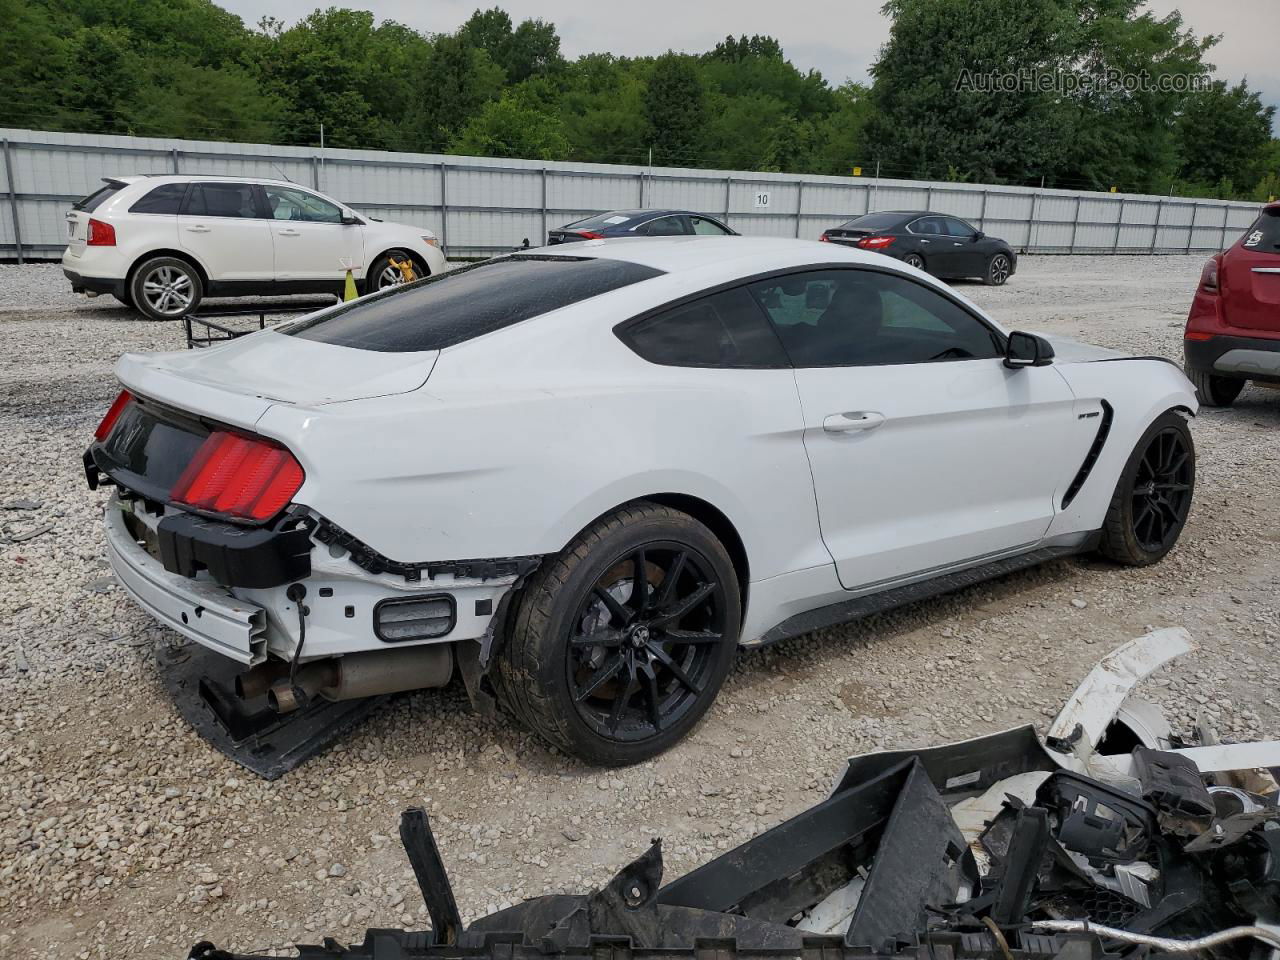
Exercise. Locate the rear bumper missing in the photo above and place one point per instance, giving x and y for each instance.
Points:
(199, 610)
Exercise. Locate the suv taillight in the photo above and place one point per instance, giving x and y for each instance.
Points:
(101, 234)
(112, 415)
(243, 477)
(1209, 276)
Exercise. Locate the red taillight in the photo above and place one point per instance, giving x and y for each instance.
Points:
(112, 415)
(875, 243)
(101, 234)
(1209, 275)
(244, 477)
(824, 239)
(589, 235)
(1197, 335)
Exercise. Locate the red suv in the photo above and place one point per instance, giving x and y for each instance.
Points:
(1233, 331)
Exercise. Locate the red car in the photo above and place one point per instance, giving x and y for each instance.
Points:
(1233, 331)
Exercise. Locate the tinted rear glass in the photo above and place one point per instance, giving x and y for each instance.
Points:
(1265, 234)
(95, 199)
(874, 221)
(166, 198)
(468, 302)
(221, 200)
(603, 221)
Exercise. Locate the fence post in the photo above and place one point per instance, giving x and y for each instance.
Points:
(1075, 226)
(1155, 233)
(1226, 219)
(1115, 244)
(1191, 231)
(13, 202)
(799, 206)
(928, 197)
(982, 214)
(315, 172)
(444, 207)
(174, 153)
(1031, 223)
(544, 207)
(728, 189)
(640, 203)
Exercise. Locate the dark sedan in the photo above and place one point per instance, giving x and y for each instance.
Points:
(641, 223)
(943, 245)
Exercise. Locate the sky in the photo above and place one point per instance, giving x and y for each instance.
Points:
(838, 37)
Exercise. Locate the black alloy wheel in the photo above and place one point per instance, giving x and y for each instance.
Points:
(643, 647)
(1162, 490)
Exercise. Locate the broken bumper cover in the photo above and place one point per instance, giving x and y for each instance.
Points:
(200, 611)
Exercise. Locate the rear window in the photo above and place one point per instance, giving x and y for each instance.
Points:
(468, 302)
(873, 221)
(166, 198)
(1264, 235)
(603, 221)
(94, 200)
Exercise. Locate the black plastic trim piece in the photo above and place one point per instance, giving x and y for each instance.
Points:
(845, 611)
(1202, 355)
(253, 557)
(1095, 451)
(366, 558)
(416, 598)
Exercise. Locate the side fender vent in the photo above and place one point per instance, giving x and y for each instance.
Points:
(1095, 451)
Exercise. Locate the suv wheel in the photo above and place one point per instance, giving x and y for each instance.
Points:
(1153, 497)
(1215, 391)
(165, 288)
(385, 274)
(620, 644)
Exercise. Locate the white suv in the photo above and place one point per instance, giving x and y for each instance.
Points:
(161, 243)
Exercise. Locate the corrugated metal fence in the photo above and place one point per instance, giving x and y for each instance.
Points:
(481, 206)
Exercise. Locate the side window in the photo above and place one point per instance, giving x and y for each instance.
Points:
(959, 229)
(290, 204)
(707, 228)
(666, 227)
(220, 200)
(928, 226)
(851, 318)
(1265, 234)
(723, 330)
(166, 198)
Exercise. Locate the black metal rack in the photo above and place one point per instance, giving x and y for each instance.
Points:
(203, 331)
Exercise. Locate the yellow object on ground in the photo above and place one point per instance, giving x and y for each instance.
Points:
(405, 267)
(349, 289)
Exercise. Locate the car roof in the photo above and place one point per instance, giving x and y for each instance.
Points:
(689, 254)
(646, 212)
(189, 177)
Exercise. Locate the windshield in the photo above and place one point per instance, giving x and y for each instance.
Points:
(454, 307)
(95, 199)
(1264, 236)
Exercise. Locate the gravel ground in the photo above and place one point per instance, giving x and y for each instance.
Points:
(124, 835)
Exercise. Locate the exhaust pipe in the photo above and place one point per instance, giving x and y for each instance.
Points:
(369, 674)
(256, 681)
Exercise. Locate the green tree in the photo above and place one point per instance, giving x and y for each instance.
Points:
(841, 142)
(530, 50)
(513, 126)
(1224, 133)
(453, 85)
(675, 109)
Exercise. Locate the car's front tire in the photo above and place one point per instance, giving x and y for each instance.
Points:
(620, 643)
(384, 273)
(1215, 391)
(999, 267)
(165, 288)
(1153, 497)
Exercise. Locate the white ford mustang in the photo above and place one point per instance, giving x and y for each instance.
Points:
(586, 478)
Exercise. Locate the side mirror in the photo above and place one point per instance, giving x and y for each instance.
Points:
(350, 221)
(979, 236)
(1027, 350)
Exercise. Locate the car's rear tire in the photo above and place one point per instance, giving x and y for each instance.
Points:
(1153, 496)
(384, 273)
(914, 260)
(1215, 391)
(663, 651)
(998, 269)
(165, 288)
